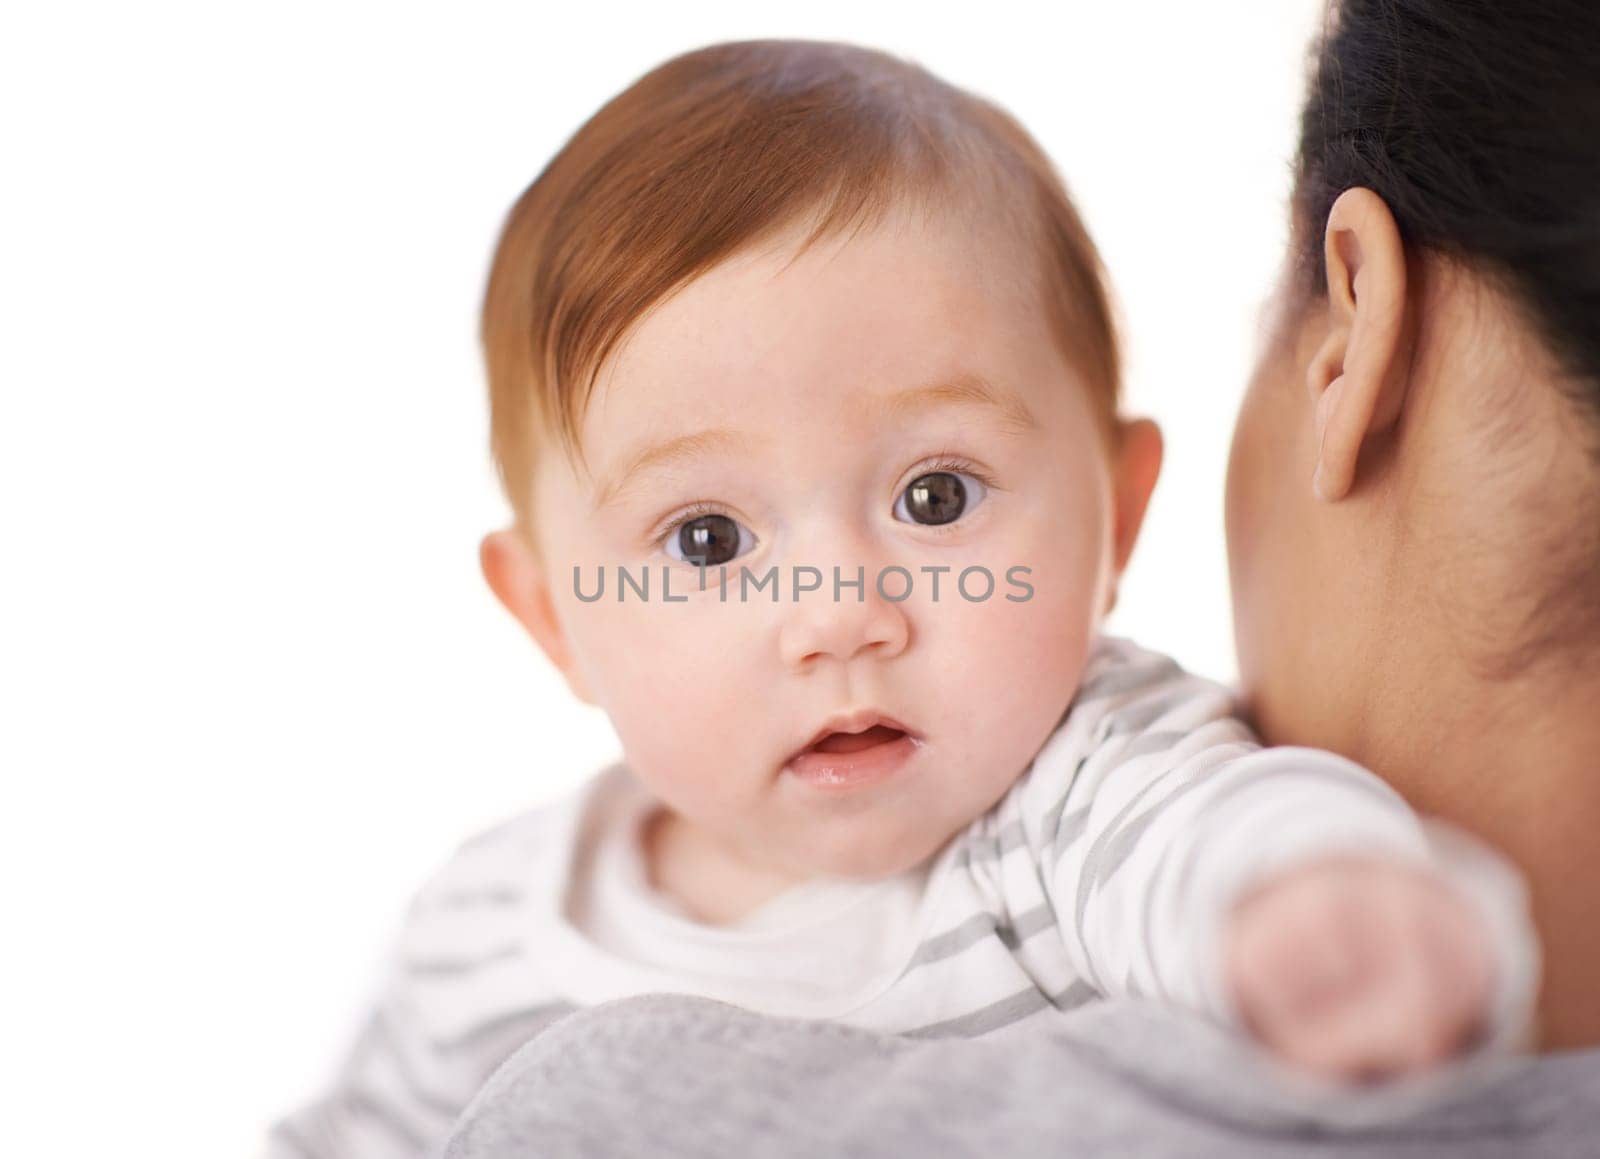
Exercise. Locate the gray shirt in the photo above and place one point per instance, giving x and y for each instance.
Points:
(672, 1075)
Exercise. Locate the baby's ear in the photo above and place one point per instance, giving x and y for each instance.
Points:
(520, 582)
(1134, 469)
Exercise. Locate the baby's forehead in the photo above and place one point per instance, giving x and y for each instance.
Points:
(796, 327)
(909, 299)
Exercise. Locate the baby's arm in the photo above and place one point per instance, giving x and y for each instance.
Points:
(1179, 848)
(399, 1086)
(459, 995)
(378, 1105)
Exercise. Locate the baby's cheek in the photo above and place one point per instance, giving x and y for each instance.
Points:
(1019, 661)
(1053, 650)
(673, 688)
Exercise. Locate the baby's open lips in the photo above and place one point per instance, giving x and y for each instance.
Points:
(854, 742)
(853, 731)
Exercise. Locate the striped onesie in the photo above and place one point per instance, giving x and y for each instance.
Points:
(1106, 869)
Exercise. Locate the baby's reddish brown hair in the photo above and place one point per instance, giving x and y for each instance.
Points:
(718, 149)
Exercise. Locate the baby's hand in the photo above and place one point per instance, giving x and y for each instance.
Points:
(1358, 968)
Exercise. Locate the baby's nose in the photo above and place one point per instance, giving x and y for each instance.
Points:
(846, 615)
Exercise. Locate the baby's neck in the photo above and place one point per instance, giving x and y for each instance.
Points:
(716, 888)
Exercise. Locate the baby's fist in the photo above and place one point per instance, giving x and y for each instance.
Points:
(1359, 968)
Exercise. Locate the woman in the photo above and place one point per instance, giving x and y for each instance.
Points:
(1414, 494)
(1414, 531)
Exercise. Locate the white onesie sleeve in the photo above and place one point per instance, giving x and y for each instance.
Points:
(461, 990)
(1172, 809)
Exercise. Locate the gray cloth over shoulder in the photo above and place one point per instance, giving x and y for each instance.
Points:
(671, 1075)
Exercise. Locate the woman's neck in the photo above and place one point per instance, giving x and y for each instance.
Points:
(1518, 764)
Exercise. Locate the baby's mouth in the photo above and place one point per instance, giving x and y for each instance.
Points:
(852, 751)
(857, 731)
(854, 742)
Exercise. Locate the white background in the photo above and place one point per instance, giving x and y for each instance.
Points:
(254, 688)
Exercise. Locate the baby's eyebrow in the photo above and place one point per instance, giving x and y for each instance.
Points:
(673, 452)
(966, 388)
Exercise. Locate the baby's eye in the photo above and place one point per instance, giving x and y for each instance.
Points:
(939, 497)
(707, 540)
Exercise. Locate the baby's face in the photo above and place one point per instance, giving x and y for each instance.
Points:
(835, 411)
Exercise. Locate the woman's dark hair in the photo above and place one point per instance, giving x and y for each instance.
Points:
(1478, 123)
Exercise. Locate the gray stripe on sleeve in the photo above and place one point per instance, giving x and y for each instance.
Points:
(1053, 825)
(488, 895)
(978, 927)
(953, 941)
(987, 1018)
(978, 850)
(1116, 845)
(1062, 833)
(995, 848)
(283, 1135)
(524, 1024)
(1150, 742)
(1070, 832)
(1104, 861)
(1373, 788)
(444, 967)
(1126, 679)
(381, 1036)
(1105, 838)
(1142, 714)
(1077, 994)
(1041, 917)
(359, 1103)
(1072, 828)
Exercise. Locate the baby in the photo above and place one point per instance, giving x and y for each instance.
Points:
(804, 395)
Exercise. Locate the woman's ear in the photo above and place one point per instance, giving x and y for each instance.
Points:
(1357, 378)
(520, 582)
(1135, 468)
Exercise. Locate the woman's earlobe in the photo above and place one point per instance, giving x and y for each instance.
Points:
(1329, 395)
(1357, 378)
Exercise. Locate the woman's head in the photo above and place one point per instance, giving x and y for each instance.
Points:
(1478, 124)
(1415, 481)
